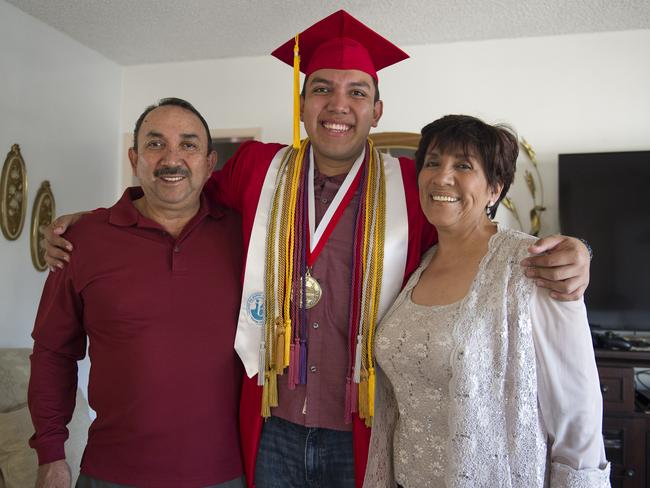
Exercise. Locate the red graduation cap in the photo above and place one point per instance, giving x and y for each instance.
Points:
(338, 41)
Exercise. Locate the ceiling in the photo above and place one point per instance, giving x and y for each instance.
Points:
(153, 31)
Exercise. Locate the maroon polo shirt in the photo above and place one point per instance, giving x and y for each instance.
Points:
(321, 402)
(160, 315)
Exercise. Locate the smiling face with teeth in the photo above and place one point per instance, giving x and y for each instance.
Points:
(338, 109)
(171, 160)
(454, 190)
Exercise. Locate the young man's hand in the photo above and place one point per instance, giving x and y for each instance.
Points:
(561, 264)
(57, 249)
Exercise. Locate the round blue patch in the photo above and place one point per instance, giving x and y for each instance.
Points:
(255, 307)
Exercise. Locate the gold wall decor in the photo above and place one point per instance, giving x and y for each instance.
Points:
(538, 203)
(42, 214)
(396, 144)
(13, 194)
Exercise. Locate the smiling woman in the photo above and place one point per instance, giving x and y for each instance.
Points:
(470, 353)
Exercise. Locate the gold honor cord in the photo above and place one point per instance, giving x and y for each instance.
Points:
(374, 236)
(281, 236)
(278, 275)
(363, 325)
(270, 308)
(378, 270)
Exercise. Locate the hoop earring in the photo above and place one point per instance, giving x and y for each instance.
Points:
(488, 210)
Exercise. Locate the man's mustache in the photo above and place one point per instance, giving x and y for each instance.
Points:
(171, 171)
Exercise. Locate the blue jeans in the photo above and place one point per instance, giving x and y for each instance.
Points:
(293, 456)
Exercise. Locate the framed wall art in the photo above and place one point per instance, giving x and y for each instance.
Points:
(13, 194)
(42, 214)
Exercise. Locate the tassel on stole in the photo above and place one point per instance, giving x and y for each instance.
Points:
(287, 343)
(261, 364)
(302, 380)
(273, 389)
(279, 346)
(371, 396)
(266, 410)
(363, 395)
(357, 359)
(292, 367)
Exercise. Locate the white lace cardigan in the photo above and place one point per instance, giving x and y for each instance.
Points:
(524, 394)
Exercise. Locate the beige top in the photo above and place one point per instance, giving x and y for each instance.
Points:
(415, 348)
(524, 403)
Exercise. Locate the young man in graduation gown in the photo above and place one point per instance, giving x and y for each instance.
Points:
(331, 230)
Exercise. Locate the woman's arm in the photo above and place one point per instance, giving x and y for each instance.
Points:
(569, 392)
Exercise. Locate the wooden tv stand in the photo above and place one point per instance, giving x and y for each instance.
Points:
(626, 427)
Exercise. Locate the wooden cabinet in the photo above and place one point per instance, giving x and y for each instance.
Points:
(626, 428)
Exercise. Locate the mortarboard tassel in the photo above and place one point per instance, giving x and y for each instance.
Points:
(296, 95)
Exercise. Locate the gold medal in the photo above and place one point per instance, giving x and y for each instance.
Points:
(313, 291)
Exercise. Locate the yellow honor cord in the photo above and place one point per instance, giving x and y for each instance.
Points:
(296, 95)
(268, 364)
(287, 342)
(371, 394)
(291, 224)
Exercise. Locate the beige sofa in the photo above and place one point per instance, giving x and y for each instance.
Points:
(18, 463)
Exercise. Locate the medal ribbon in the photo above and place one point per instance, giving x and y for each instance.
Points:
(318, 236)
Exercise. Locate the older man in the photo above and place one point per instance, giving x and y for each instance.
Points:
(155, 287)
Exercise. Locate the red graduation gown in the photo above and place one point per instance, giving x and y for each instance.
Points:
(238, 185)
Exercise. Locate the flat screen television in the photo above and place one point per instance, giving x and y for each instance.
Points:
(605, 199)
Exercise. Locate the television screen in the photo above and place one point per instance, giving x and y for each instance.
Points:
(605, 199)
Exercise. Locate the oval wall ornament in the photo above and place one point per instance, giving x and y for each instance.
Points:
(42, 214)
(13, 194)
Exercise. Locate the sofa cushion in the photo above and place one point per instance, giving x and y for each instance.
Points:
(14, 378)
(18, 462)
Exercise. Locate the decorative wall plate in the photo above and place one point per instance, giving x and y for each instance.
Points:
(13, 194)
(42, 214)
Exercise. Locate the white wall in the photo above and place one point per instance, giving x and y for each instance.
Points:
(60, 102)
(576, 93)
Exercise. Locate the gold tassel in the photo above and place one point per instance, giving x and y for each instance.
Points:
(287, 342)
(363, 395)
(296, 95)
(279, 345)
(273, 390)
(371, 394)
(266, 410)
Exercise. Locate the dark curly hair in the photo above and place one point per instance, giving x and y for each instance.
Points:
(496, 145)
